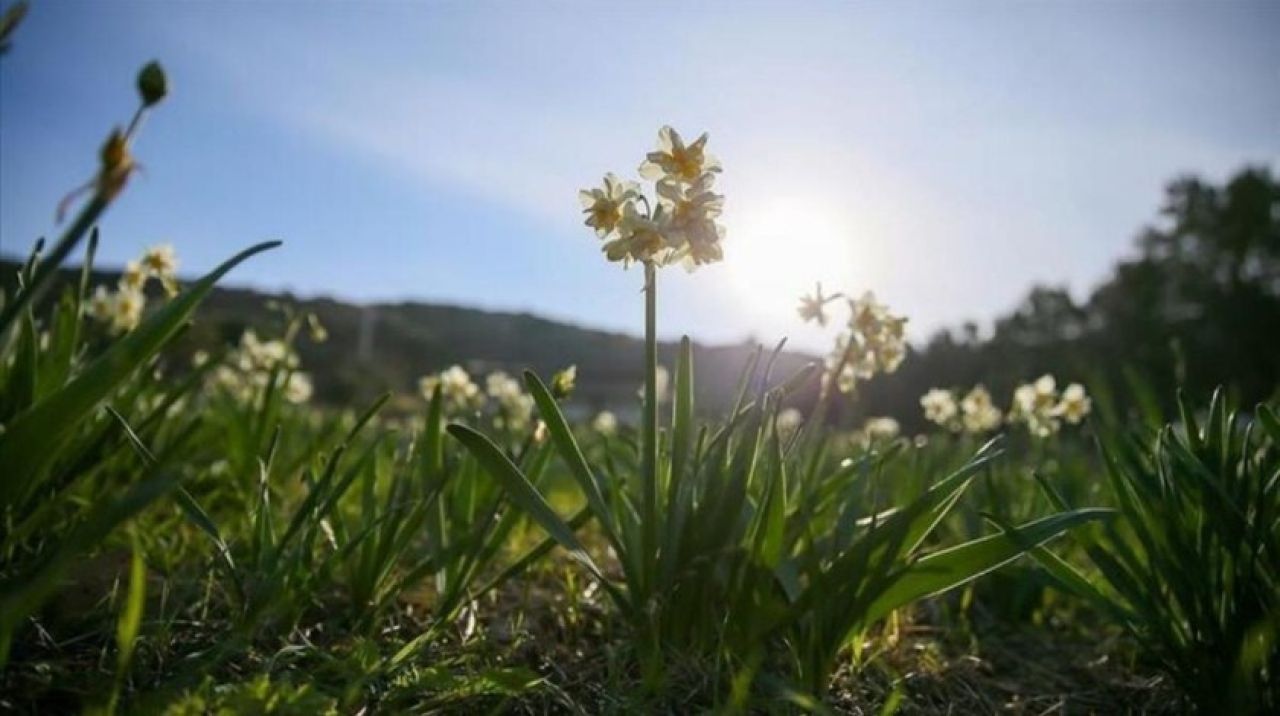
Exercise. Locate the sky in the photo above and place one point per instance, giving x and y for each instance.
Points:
(944, 155)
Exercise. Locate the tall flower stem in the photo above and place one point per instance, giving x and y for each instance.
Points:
(649, 431)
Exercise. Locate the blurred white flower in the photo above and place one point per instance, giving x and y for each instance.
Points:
(1074, 405)
(980, 415)
(874, 343)
(883, 428)
(126, 310)
(101, 304)
(133, 276)
(299, 388)
(605, 423)
(457, 390)
(789, 420)
(1035, 405)
(514, 404)
(661, 384)
(940, 408)
(161, 261)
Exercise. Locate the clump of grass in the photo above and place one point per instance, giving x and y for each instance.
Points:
(1193, 568)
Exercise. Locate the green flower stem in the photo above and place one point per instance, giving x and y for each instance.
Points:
(650, 421)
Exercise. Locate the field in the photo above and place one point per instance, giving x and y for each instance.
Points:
(186, 527)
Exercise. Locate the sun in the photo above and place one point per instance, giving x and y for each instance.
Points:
(777, 253)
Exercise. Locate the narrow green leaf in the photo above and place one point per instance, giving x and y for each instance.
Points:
(949, 568)
(33, 439)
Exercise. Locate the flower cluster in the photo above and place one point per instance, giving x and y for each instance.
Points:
(883, 428)
(250, 364)
(121, 309)
(679, 224)
(457, 390)
(978, 413)
(512, 407)
(875, 341)
(1038, 405)
(513, 404)
(940, 408)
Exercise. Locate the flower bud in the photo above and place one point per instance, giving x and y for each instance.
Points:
(152, 84)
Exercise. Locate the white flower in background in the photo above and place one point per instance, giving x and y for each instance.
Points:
(980, 415)
(514, 404)
(661, 385)
(605, 423)
(316, 329)
(101, 304)
(456, 388)
(875, 342)
(789, 421)
(884, 428)
(674, 160)
(813, 308)
(254, 354)
(298, 389)
(249, 366)
(161, 261)
(1035, 404)
(133, 276)
(940, 408)
(604, 205)
(127, 310)
(1074, 405)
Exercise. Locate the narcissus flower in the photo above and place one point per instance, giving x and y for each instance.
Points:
(789, 421)
(298, 388)
(678, 223)
(875, 343)
(513, 403)
(456, 388)
(813, 308)
(980, 414)
(101, 305)
(1074, 405)
(940, 408)
(884, 428)
(1035, 405)
(678, 161)
(161, 261)
(641, 237)
(605, 423)
(127, 310)
(133, 276)
(691, 231)
(603, 205)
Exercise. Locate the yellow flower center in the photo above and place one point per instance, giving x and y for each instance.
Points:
(688, 164)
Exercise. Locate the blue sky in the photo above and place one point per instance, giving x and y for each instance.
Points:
(943, 155)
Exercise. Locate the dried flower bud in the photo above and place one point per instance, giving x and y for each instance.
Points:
(152, 84)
